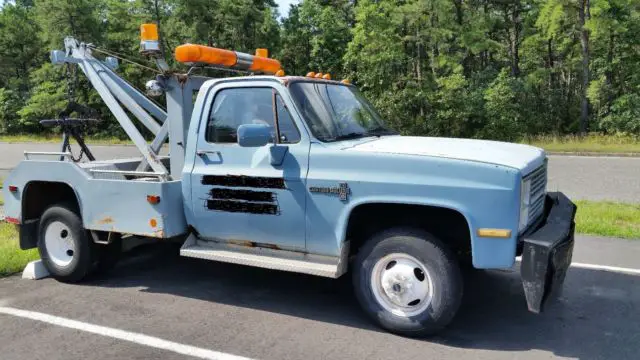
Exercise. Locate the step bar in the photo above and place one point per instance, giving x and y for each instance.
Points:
(275, 259)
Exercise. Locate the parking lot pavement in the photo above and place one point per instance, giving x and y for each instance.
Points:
(265, 314)
(596, 178)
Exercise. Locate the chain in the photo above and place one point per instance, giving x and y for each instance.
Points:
(79, 157)
(72, 82)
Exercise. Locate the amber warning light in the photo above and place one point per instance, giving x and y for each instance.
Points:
(199, 54)
(149, 38)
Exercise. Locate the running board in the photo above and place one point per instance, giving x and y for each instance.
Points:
(274, 259)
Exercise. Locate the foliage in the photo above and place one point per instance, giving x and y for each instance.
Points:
(589, 144)
(606, 218)
(12, 259)
(479, 68)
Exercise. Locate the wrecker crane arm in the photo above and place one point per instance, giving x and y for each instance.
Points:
(119, 95)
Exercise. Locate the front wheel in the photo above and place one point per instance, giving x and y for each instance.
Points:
(408, 282)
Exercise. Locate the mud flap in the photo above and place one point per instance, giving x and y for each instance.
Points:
(28, 234)
(547, 252)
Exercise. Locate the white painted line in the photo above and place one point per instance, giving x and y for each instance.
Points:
(599, 267)
(606, 268)
(122, 335)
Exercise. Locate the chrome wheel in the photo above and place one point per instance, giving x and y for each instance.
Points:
(402, 285)
(59, 243)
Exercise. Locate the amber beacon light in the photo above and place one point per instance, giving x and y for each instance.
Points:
(199, 54)
(149, 38)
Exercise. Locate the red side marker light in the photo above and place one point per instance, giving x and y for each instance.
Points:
(12, 220)
(153, 199)
(13, 188)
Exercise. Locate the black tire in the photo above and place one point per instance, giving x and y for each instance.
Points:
(443, 270)
(83, 255)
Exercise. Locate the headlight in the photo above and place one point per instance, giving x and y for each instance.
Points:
(525, 199)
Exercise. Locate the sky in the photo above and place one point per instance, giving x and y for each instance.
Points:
(283, 6)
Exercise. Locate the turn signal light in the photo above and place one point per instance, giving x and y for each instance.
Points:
(13, 188)
(153, 199)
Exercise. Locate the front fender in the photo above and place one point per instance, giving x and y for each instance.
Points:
(343, 220)
(487, 253)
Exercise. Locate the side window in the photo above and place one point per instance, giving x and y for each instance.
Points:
(288, 131)
(234, 107)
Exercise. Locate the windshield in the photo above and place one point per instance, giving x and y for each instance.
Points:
(337, 112)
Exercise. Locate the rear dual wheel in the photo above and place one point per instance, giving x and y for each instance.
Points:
(408, 282)
(66, 249)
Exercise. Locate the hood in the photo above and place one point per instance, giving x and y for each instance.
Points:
(522, 157)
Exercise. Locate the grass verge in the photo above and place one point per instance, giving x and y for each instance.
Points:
(53, 138)
(606, 218)
(592, 143)
(12, 259)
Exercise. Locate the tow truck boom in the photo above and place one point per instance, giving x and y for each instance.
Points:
(119, 95)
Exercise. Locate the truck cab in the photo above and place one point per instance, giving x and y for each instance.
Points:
(300, 173)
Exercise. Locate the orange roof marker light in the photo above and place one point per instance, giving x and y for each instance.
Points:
(346, 81)
(311, 74)
(199, 54)
(280, 73)
(319, 75)
(326, 76)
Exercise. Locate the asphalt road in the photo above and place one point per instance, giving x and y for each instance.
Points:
(592, 178)
(275, 315)
(596, 178)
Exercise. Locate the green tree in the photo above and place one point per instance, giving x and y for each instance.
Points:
(78, 18)
(20, 48)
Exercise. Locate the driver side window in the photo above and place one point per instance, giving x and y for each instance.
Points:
(238, 106)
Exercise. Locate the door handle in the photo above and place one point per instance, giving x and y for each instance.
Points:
(205, 152)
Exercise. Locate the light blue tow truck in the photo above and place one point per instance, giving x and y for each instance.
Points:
(293, 173)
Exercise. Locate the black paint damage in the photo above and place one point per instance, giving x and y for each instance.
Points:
(243, 181)
(247, 195)
(222, 196)
(243, 206)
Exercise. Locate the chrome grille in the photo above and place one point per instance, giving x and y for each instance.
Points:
(538, 191)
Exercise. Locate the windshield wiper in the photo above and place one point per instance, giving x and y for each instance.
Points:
(381, 130)
(349, 136)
